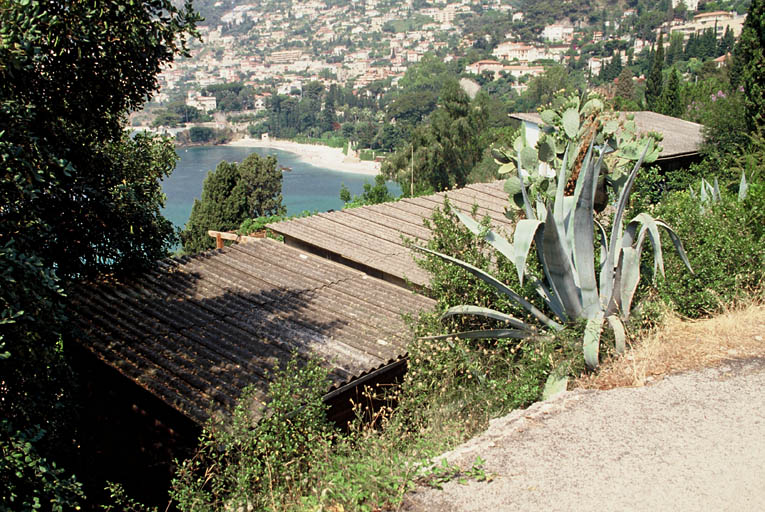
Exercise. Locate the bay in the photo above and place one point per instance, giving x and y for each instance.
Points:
(305, 187)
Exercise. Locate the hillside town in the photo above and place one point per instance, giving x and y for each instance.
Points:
(278, 47)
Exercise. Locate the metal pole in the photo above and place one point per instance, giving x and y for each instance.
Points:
(411, 187)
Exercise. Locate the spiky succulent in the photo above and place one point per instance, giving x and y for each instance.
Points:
(563, 230)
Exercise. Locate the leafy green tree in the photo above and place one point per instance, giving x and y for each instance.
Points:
(654, 82)
(231, 194)
(78, 196)
(542, 88)
(373, 194)
(749, 59)
(445, 151)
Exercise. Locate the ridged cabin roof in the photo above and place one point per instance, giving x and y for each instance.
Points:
(372, 237)
(196, 330)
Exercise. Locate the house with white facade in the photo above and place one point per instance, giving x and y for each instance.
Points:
(558, 32)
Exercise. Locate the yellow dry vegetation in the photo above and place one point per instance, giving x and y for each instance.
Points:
(680, 345)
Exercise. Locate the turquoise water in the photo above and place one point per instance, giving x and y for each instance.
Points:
(305, 186)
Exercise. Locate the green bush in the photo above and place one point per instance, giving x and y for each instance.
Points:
(249, 466)
(493, 376)
(725, 246)
(373, 194)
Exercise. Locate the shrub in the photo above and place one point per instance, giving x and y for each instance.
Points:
(248, 466)
(725, 247)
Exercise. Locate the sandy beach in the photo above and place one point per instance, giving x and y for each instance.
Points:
(314, 154)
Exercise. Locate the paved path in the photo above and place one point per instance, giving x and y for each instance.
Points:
(693, 441)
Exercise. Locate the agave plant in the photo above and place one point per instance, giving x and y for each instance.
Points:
(563, 230)
(710, 193)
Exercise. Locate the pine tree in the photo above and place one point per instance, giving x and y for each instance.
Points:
(725, 44)
(749, 61)
(625, 89)
(653, 84)
(669, 102)
(675, 50)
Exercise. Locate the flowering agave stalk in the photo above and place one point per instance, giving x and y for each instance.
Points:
(563, 231)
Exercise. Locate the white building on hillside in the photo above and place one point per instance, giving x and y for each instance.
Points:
(558, 32)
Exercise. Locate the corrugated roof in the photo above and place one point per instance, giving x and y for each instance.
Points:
(681, 137)
(197, 330)
(372, 236)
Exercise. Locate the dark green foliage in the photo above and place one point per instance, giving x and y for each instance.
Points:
(750, 57)
(543, 88)
(451, 285)
(726, 249)
(28, 480)
(78, 196)
(500, 374)
(230, 194)
(248, 464)
(447, 149)
(373, 194)
(654, 81)
(675, 50)
(624, 98)
(669, 101)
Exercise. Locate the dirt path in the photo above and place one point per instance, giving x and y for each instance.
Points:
(691, 441)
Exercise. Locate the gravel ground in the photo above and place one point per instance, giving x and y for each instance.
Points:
(692, 441)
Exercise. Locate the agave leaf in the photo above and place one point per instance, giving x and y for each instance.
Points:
(648, 223)
(615, 303)
(498, 285)
(742, 187)
(716, 191)
(526, 204)
(496, 241)
(607, 274)
(705, 190)
(554, 386)
(585, 165)
(486, 312)
(560, 271)
(525, 231)
(630, 276)
(561, 184)
(619, 335)
(591, 341)
(584, 242)
(492, 334)
(551, 300)
(677, 243)
(571, 122)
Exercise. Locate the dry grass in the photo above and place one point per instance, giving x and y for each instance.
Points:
(681, 345)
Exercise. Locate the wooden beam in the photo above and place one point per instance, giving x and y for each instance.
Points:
(219, 236)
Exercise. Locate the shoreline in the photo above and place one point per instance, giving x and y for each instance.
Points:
(314, 154)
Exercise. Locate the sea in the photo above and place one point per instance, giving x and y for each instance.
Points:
(305, 187)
